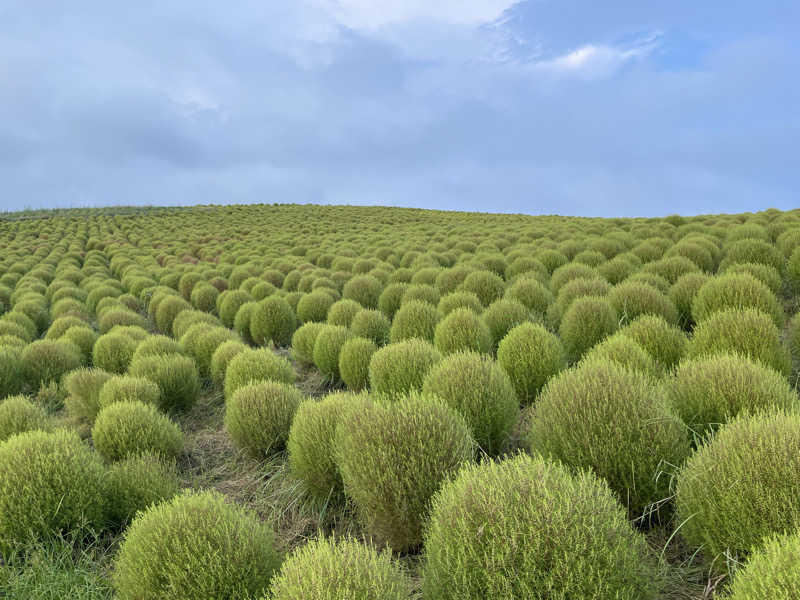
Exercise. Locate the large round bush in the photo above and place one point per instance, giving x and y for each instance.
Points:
(18, 414)
(113, 352)
(273, 320)
(736, 290)
(577, 544)
(126, 429)
(364, 289)
(371, 324)
(314, 306)
(530, 355)
(175, 375)
(415, 319)
(487, 286)
(665, 343)
(45, 361)
(303, 342)
(462, 330)
(135, 483)
(399, 368)
(222, 356)
(354, 359)
(83, 387)
(587, 321)
(327, 347)
(772, 571)
(252, 366)
(196, 546)
(501, 316)
(633, 298)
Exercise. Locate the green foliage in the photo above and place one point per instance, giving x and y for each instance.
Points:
(188, 319)
(45, 361)
(623, 351)
(157, 345)
(633, 298)
(327, 346)
(314, 306)
(415, 319)
(532, 294)
(771, 572)
(241, 323)
(49, 483)
(195, 546)
(682, 294)
(393, 457)
(751, 251)
(343, 311)
(364, 289)
(501, 316)
(462, 330)
(665, 343)
(767, 275)
(530, 355)
(258, 416)
(486, 285)
(252, 366)
(113, 352)
(577, 541)
(125, 429)
(741, 486)
(303, 342)
(175, 375)
(586, 322)
(126, 388)
(478, 389)
(604, 417)
(221, 357)
(12, 379)
(136, 482)
(120, 316)
(84, 387)
(326, 568)
(228, 305)
(168, 309)
(273, 320)
(18, 414)
(454, 300)
(740, 291)
(400, 368)
(354, 359)
(371, 324)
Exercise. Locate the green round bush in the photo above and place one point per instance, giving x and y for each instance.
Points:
(462, 330)
(767, 275)
(189, 319)
(201, 341)
(343, 311)
(251, 366)
(204, 297)
(734, 290)
(449, 302)
(12, 378)
(175, 375)
(478, 389)
(749, 332)
(327, 347)
(666, 344)
(326, 568)
(569, 293)
(18, 415)
(607, 418)
(258, 416)
(195, 546)
(157, 345)
(415, 319)
(532, 294)
(50, 483)
(371, 324)
(577, 540)
(303, 342)
(487, 286)
(314, 306)
(530, 355)
(126, 388)
(751, 251)
(221, 357)
(623, 351)
(587, 321)
(59, 326)
(113, 352)
(83, 388)
(241, 323)
(631, 299)
(391, 297)
(84, 338)
(45, 361)
(8, 327)
(393, 457)
(364, 289)
(273, 321)
(771, 571)
(501, 316)
(120, 316)
(682, 294)
(741, 486)
(709, 391)
(20, 319)
(400, 368)
(566, 273)
(168, 309)
(137, 482)
(228, 305)
(126, 429)
(354, 359)
(421, 293)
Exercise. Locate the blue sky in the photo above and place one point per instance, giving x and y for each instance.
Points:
(618, 108)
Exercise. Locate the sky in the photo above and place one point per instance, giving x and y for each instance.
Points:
(615, 108)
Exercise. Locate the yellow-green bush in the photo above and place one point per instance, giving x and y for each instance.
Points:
(251, 366)
(273, 320)
(354, 359)
(343, 311)
(221, 357)
(530, 355)
(314, 307)
(126, 388)
(364, 289)
(371, 324)
(18, 414)
(487, 286)
(175, 375)
(665, 343)
(415, 319)
(303, 342)
(634, 298)
(772, 571)
(12, 378)
(327, 347)
(736, 290)
(400, 368)
(136, 482)
(125, 429)
(83, 387)
(45, 361)
(462, 330)
(625, 352)
(586, 322)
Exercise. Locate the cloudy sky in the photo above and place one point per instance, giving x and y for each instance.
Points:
(616, 108)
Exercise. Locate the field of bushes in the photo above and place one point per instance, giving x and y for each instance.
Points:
(316, 402)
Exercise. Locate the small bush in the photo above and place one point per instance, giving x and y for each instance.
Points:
(113, 352)
(199, 544)
(532, 294)
(252, 366)
(202, 341)
(400, 368)
(487, 286)
(50, 483)
(314, 306)
(126, 388)
(342, 312)
(454, 300)
(325, 568)
(18, 414)
(682, 294)
(44, 361)
(478, 389)
(578, 542)
(204, 297)
(530, 355)
(771, 572)
(168, 309)
(371, 324)
(393, 457)
(12, 378)
(258, 416)
(421, 293)
(303, 342)
(462, 330)
(175, 375)
(390, 298)
(221, 357)
(241, 323)
(767, 275)
(364, 289)
(751, 251)
(625, 352)
(327, 346)
(120, 316)
(733, 290)
(84, 387)
(665, 343)
(604, 417)
(633, 298)
(188, 319)
(354, 359)
(273, 321)
(415, 319)
(501, 316)
(587, 321)
(741, 486)
(126, 429)
(229, 303)
(750, 333)
(138, 482)
(59, 327)
(84, 338)
(566, 273)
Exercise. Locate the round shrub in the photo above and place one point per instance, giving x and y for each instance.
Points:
(50, 483)
(83, 388)
(126, 388)
(258, 416)
(12, 378)
(665, 343)
(566, 273)
(371, 324)
(771, 571)
(415, 319)
(126, 429)
(390, 298)
(733, 290)
(45, 361)
(767, 275)
(454, 300)
(421, 293)
(198, 545)
(314, 306)
(120, 316)
(241, 323)
(169, 308)
(393, 457)
(587, 321)
(530, 355)
(741, 486)
(251, 366)
(682, 294)
(342, 312)
(327, 346)
(113, 352)
(623, 351)
(400, 368)
(228, 305)
(204, 297)
(749, 332)
(59, 326)
(303, 342)
(710, 391)
(486, 285)
(751, 251)
(136, 483)
(462, 330)
(364, 289)
(532, 294)
(354, 359)
(176, 376)
(18, 414)
(189, 319)
(8, 327)
(501, 316)
(604, 417)
(326, 568)
(633, 298)
(569, 293)
(478, 389)
(20, 319)
(273, 321)
(578, 542)
(221, 357)
(201, 341)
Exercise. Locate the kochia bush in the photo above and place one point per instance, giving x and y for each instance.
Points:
(530, 355)
(773, 571)
(18, 414)
(252, 366)
(135, 483)
(587, 321)
(176, 377)
(734, 290)
(273, 320)
(45, 361)
(327, 346)
(462, 330)
(354, 359)
(400, 368)
(125, 429)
